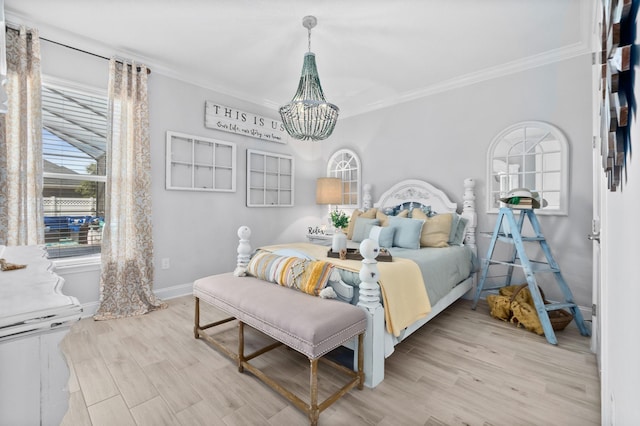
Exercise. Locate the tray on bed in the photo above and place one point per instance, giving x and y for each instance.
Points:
(354, 254)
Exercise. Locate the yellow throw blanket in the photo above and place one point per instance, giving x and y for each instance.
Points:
(403, 292)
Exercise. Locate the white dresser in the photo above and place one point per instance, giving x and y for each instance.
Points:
(34, 318)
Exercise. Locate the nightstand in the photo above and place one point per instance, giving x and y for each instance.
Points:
(320, 239)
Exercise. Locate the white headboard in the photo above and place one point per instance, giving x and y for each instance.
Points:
(423, 193)
(416, 191)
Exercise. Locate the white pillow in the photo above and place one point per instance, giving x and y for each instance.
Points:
(383, 235)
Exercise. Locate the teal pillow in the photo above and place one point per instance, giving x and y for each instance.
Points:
(383, 235)
(362, 229)
(407, 232)
(454, 227)
(458, 225)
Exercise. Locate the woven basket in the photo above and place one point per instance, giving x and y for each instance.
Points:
(559, 318)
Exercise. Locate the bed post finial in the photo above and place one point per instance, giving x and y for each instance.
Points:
(367, 198)
(244, 251)
(369, 288)
(469, 211)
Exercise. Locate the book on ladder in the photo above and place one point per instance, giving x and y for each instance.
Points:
(508, 230)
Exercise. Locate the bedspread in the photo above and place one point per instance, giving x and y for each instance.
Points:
(403, 292)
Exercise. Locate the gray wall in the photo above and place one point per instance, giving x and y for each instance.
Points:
(444, 139)
(197, 231)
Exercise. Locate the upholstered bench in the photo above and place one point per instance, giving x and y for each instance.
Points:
(310, 325)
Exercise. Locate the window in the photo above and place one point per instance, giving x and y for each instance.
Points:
(345, 164)
(74, 138)
(532, 155)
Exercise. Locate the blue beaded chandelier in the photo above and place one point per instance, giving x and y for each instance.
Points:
(309, 116)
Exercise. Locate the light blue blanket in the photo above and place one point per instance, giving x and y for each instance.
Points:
(442, 268)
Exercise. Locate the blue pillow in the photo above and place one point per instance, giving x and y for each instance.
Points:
(362, 228)
(458, 225)
(407, 232)
(383, 235)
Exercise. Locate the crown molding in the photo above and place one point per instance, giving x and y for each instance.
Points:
(531, 62)
(588, 33)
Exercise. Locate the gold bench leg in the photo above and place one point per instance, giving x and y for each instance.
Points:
(196, 325)
(360, 361)
(241, 358)
(314, 411)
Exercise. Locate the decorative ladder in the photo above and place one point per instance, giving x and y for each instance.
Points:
(519, 258)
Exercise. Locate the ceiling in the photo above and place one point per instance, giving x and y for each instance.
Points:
(370, 53)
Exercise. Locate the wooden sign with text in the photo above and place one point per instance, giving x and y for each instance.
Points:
(233, 120)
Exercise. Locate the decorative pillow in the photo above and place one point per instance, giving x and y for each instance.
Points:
(363, 228)
(383, 218)
(398, 210)
(421, 211)
(436, 229)
(403, 213)
(427, 210)
(419, 214)
(407, 232)
(455, 218)
(458, 228)
(309, 276)
(268, 266)
(313, 278)
(382, 235)
(369, 214)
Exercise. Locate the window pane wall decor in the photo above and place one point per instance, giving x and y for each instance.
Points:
(270, 179)
(532, 155)
(345, 164)
(195, 163)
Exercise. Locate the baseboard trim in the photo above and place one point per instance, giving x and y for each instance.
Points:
(90, 308)
(174, 291)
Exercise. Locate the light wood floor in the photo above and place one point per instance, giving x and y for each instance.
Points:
(462, 368)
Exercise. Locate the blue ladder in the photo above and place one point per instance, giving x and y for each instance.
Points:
(510, 231)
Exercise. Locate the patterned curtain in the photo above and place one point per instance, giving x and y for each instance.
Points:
(21, 208)
(127, 247)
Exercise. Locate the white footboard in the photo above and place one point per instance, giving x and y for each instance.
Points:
(369, 300)
(379, 344)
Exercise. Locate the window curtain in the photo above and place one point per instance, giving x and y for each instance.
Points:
(126, 278)
(21, 207)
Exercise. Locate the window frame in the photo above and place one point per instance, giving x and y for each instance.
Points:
(267, 179)
(82, 262)
(502, 141)
(336, 168)
(186, 156)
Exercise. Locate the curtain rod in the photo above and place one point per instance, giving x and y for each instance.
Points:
(12, 27)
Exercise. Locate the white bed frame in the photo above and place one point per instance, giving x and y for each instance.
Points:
(378, 343)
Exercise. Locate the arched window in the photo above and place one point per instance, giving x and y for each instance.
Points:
(532, 155)
(345, 164)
